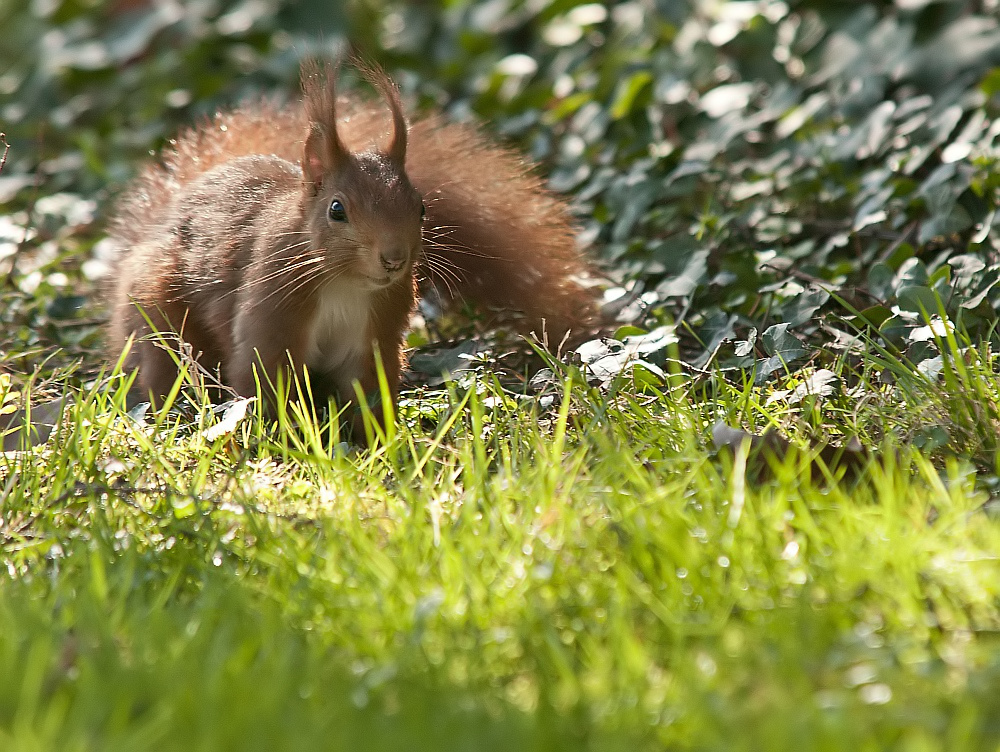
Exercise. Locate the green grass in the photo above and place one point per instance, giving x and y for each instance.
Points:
(503, 575)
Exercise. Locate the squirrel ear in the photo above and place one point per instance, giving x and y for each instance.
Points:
(323, 149)
(397, 146)
(317, 156)
(377, 78)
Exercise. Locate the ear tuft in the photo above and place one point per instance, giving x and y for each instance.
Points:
(378, 79)
(324, 151)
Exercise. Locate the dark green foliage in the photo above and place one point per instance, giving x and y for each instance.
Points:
(732, 159)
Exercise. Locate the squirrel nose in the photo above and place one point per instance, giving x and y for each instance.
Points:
(392, 262)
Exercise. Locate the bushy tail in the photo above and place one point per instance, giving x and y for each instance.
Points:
(494, 235)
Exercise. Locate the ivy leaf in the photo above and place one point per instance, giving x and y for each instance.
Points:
(918, 299)
(654, 341)
(937, 328)
(693, 274)
(784, 349)
(801, 308)
(434, 363)
(233, 414)
(881, 281)
(744, 348)
(778, 341)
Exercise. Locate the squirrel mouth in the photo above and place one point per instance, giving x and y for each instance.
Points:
(380, 282)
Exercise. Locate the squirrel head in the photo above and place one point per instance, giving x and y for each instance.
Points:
(361, 209)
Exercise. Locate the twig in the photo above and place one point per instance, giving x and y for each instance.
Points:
(30, 214)
(822, 284)
(801, 276)
(6, 148)
(898, 241)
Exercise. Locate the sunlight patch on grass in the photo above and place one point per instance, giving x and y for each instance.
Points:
(578, 570)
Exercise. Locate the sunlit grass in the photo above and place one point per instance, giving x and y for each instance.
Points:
(499, 574)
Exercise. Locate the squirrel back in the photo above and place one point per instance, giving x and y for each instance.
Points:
(269, 238)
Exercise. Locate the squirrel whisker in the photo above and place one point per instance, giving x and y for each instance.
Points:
(447, 276)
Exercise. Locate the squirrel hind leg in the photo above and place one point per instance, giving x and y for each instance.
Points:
(162, 343)
(158, 371)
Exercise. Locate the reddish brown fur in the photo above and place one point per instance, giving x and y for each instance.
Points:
(214, 238)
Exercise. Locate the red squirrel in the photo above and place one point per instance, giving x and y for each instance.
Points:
(271, 239)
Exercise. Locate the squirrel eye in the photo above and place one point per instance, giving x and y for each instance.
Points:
(337, 211)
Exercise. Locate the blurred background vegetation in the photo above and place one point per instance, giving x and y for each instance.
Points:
(731, 163)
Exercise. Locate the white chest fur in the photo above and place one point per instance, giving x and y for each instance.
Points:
(340, 333)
